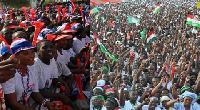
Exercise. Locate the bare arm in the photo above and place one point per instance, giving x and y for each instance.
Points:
(11, 100)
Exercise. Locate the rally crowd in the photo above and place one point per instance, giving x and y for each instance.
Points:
(44, 57)
(149, 62)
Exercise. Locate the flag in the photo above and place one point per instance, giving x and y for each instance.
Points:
(191, 20)
(151, 37)
(103, 49)
(39, 37)
(156, 9)
(93, 50)
(102, 18)
(142, 11)
(143, 33)
(73, 6)
(97, 16)
(133, 20)
(94, 10)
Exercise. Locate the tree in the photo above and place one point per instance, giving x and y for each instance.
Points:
(16, 3)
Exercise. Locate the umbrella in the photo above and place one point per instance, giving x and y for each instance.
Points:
(94, 10)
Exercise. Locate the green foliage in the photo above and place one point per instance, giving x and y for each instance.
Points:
(16, 3)
(48, 2)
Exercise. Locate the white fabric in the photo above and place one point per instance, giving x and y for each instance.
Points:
(62, 58)
(45, 73)
(2, 44)
(63, 69)
(92, 108)
(78, 44)
(15, 84)
(87, 39)
(69, 53)
(146, 107)
(129, 106)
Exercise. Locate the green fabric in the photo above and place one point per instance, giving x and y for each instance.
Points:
(143, 33)
(185, 88)
(106, 69)
(95, 10)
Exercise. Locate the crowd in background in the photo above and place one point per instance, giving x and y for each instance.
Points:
(44, 59)
(131, 71)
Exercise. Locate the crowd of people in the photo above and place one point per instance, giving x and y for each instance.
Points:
(44, 59)
(148, 62)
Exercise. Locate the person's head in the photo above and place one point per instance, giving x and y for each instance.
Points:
(155, 81)
(126, 94)
(5, 53)
(110, 93)
(153, 103)
(105, 77)
(98, 91)
(7, 34)
(187, 101)
(69, 43)
(23, 51)
(133, 95)
(143, 81)
(111, 103)
(112, 76)
(164, 100)
(148, 75)
(97, 100)
(193, 77)
(80, 32)
(45, 49)
(164, 92)
(125, 79)
(19, 34)
(138, 87)
(61, 41)
(151, 68)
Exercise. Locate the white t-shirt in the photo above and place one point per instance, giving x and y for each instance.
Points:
(87, 39)
(78, 44)
(129, 106)
(62, 58)
(146, 107)
(102, 108)
(45, 73)
(15, 84)
(63, 69)
(69, 53)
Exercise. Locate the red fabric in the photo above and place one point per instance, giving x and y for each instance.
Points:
(38, 26)
(73, 7)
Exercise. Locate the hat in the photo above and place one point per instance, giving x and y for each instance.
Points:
(185, 88)
(101, 83)
(97, 88)
(5, 50)
(164, 98)
(110, 91)
(68, 31)
(63, 36)
(189, 94)
(20, 44)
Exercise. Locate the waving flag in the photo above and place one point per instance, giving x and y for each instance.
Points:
(103, 49)
(151, 37)
(133, 20)
(157, 9)
(191, 20)
(73, 6)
